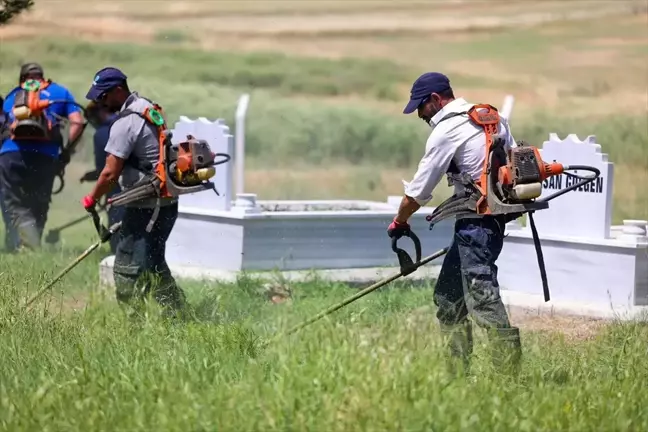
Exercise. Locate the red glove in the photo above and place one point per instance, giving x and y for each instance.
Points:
(398, 229)
(88, 203)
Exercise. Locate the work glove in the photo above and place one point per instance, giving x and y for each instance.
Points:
(398, 229)
(89, 203)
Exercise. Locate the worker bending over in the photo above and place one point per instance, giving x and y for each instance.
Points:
(31, 150)
(467, 283)
(133, 148)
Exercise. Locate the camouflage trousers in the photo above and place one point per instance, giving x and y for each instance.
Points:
(140, 268)
(467, 286)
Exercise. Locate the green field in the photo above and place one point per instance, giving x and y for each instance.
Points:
(328, 81)
(375, 365)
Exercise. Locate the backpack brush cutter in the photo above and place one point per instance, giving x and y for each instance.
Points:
(31, 123)
(510, 185)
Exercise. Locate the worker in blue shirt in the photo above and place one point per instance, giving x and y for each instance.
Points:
(31, 150)
(101, 119)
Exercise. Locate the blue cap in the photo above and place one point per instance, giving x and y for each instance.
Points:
(424, 86)
(104, 80)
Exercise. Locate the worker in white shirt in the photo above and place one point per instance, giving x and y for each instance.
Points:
(467, 283)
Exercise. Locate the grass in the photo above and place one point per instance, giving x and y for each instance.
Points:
(374, 365)
(75, 363)
(324, 122)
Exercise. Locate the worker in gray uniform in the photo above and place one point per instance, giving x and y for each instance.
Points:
(133, 148)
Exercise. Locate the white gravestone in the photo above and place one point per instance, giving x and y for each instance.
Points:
(220, 140)
(586, 211)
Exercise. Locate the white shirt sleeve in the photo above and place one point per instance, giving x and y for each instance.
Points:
(439, 152)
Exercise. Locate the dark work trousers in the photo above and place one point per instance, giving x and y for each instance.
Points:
(11, 236)
(467, 285)
(140, 267)
(26, 181)
(468, 278)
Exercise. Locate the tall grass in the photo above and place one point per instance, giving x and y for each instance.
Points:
(374, 365)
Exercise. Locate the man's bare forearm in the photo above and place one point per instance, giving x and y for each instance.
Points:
(75, 132)
(407, 208)
(76, 126)
(107, 180)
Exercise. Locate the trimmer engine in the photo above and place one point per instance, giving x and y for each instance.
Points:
(521, 179)
(184, 168)
(191, 162)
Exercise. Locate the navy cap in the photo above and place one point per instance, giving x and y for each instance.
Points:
(104, 80)
(424, 86)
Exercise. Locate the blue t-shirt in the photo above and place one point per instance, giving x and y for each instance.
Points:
(52, 92)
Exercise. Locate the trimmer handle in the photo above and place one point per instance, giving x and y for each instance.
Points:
(104, 233)
(101, 230)
(404, 259)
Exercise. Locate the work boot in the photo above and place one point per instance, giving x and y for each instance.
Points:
(506, 348)
(457, 339)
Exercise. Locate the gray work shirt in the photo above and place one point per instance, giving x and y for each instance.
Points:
(131, 135)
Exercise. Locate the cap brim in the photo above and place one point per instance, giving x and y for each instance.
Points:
(94, 93)
(412, 105)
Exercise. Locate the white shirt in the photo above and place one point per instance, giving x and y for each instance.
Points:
(455, 138)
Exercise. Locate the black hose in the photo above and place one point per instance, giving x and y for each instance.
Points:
(225, 156)
(584, 180)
